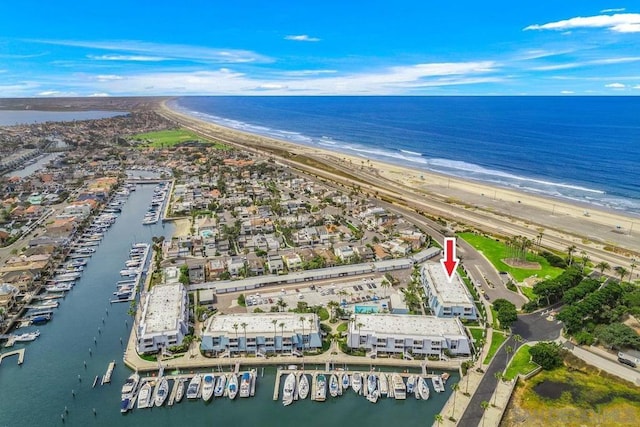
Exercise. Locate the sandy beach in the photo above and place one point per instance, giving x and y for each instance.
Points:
(605, 235)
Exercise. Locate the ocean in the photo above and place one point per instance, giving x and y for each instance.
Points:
(583, 149)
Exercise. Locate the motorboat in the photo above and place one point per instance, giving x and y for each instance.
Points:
(333, 385)
(399, 388)
(232, 386)
(27, 336)
(221, 381)
(131, 384)
(289, 389)
(438, 385)
(245, 384)
(411, 384)
(128, 392)
(373, 396)
(144, 395)
(423, 388)
(372, 383)
(59, 287)
(383, 384)
(208, 384)
(345, 381)
(162, 391)
(356, 382)
(321, 388)
(303, 387)
(194, 386)
(180, 390)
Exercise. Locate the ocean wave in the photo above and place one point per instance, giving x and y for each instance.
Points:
(457, 168)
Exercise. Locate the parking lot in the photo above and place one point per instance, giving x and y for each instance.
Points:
(351, 292)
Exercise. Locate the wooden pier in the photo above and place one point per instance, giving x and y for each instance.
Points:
(106, 378)
(20, 354)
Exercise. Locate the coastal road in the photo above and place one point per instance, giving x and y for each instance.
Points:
(492, 215)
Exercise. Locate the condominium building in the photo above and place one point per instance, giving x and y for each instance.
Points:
(403, 334)
(164, 319)
(446, 299)
(261, 333)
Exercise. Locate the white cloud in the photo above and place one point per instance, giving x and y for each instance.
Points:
(620, 22)
(99, 95)
(615, 85)
(57, 93)
(140, 58)
(108, 77)
(393, 80)
(170, 51)
(604, 61)
(567, 92)
(302, 73)
(302, 38)
(636, 87)
(620, 9)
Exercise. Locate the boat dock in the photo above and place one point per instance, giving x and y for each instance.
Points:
(328, 372)
(20, 354)
(106, 378)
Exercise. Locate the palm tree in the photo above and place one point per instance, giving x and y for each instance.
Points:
(439, 418)
(632, 265)
(302, 319)
(570, 250)
(244, 327)
(385, 285)
(454, 388)
(332, 306)
(360, 325)
(235, 328)
(282, 333)
(499, 377)
(621, 272)
(274, 322)
(585, 259)
(485, 405)
(518, 339)
(508, 349)
(602, 266)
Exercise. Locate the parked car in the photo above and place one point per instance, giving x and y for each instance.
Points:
(627, 362)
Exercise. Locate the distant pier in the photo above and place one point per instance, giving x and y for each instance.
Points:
(20, 354)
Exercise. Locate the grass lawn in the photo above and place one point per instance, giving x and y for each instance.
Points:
(497, 338)
(342, 327)
(171, 137)
(528, 292)
(476, 333)
(497, 251)
(520, 363)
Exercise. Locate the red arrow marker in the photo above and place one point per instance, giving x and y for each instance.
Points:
(449, 262)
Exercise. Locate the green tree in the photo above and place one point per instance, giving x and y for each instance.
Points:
(438, 418)
(547, 354)
(506, 312)
(242, 302)
(498, 376)
(621, 271)
(454, 388)
(570, 250)
(618, 335)
(602, 266)
(484, 405)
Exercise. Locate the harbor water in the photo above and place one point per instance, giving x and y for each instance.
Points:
(86, 329)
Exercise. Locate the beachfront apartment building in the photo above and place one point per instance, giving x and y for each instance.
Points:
(446, 299)
(164, 319)
(391, 334)
(226, 335)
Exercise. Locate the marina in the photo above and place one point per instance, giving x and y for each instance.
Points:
(100, 329)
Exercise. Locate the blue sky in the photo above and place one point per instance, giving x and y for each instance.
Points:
(541, 47)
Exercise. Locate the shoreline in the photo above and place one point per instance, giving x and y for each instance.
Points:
(416, 171)
(506, 211)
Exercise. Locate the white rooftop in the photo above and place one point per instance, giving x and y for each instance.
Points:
(164, 308)
(260, 324)
(451, 293)
(406, 325)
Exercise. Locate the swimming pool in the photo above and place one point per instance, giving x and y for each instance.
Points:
(365, 309)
